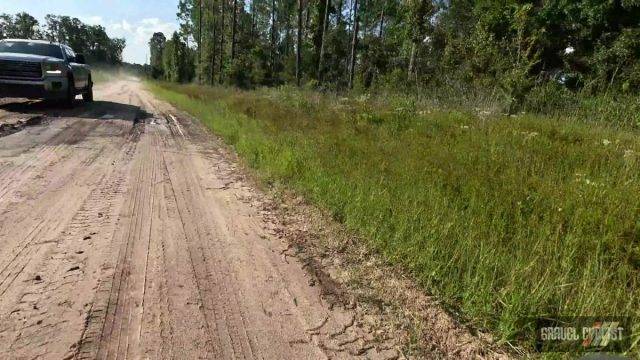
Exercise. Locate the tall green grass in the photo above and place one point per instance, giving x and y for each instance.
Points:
(499, 217)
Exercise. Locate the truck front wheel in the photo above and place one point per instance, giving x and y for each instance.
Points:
(71, 94)
(87, 96)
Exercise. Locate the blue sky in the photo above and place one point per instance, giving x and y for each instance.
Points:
(134, 20)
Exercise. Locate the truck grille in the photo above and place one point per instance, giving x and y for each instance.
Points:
(20, 70)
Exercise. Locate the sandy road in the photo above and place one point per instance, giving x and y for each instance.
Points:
(126, 233)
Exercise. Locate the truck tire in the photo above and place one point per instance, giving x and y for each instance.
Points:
(87, 96)
(71, 94)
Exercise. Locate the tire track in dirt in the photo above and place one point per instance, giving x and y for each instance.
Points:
(41, 159)
(219, 302)
(224, 237)
(21, 255)
(45, 184)
(64, 270)
(108, 314)
(54, 269)
(117, 331)
(212, 303)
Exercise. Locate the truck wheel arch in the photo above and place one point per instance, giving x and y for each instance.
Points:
(71, 82)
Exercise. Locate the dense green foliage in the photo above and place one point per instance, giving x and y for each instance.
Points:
(90, 40)
(506, 47)
(177, 65)
(501, 217)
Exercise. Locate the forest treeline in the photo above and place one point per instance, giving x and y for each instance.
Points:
(511, 45)
(90, 40)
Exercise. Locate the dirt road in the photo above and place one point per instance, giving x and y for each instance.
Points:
(125, 232)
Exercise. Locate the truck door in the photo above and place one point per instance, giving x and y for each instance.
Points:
(80, 71)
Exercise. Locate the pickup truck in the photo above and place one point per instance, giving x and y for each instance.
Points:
(38, 69)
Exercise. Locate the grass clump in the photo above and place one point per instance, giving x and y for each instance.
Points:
(501, 217)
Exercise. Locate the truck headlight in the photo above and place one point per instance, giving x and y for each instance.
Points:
(52, 68)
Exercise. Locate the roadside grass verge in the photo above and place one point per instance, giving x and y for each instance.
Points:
(499, 217)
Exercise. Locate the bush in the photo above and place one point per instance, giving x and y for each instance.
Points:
(241, 74)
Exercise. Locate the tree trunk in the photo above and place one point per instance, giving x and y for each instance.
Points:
(365, 20)
(354, 44)
(412, 61)
(322, 38)
(289, 45)
(273, 36)
(299, 45)
(380, 31)
(213, 42)
(200, 41)
(233, 30)
(339, 13)
(253, 19)
(222, 10)
(350, 13)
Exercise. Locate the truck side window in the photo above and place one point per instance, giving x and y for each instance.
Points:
(71, 56)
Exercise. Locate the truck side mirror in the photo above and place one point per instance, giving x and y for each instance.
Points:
(80, 59)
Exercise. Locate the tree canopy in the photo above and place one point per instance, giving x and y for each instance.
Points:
(511, 44)
(90, 40)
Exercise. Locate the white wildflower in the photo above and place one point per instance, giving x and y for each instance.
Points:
(606, 142)
(593, 183)
(363, 98)
(569, 50)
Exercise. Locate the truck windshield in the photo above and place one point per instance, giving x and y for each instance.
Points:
(33, 48)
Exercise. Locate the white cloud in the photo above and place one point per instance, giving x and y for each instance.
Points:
(122, 26)
(147, 27)
(151, 21)
(137, 34)
(93, 20)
